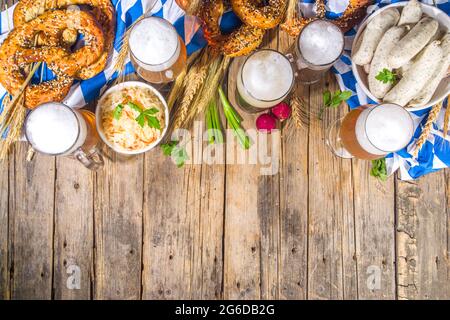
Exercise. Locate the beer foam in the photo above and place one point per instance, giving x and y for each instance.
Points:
(154, 42)
(321, 42)
(267, 75)
(52, 128)
(385, 128)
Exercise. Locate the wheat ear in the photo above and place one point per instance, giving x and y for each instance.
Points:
(178, 85)
(432, 116)
(300, 115)
(291, 11)
(447, 117)
(193, 7)
(209, 89)
(13, 115)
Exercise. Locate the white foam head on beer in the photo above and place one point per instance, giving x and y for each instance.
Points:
(154, 41)
(386, 128)
(321, 42)
(52, 128)
(267, 75)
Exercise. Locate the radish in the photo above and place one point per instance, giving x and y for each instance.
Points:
(266, 122)
(281, 111)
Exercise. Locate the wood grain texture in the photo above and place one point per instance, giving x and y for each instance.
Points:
(375, 233)
(422, 238)
(208, 266)
(74, 235)
(269, 154)
(4, 193)
(31, 225)
(171, 228)
(294, 201)
(118, 228)
(242, 251)
(331, 247)
(252, 221)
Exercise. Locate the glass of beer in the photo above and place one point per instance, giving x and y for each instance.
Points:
(157, 52)
(371, 132)
(58, 130)
(317, 48)
(264, 79)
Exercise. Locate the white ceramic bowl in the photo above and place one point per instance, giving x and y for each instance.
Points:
(120, 86)
(361, 77)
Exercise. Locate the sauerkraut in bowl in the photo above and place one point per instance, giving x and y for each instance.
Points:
(132, 117)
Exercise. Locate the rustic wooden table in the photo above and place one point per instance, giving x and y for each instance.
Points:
(321, 228)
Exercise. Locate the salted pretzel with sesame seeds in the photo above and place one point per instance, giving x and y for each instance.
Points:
(18, 51)
(102, 10)
(240, 42)
(260, 13)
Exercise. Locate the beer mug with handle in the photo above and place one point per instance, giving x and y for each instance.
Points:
(58, 130)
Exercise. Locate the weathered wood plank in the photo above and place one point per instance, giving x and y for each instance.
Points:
(4, 194)
(74, 222)
(252, 209)
(294, 201)
(375, 233)
(331, 247)
(183, 223)
(208, 265)
(269, 198)
(422, 237)
(118, 228)
(31, 225)
(171, 221)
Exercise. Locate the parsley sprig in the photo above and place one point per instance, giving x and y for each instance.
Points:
(379, 169)
(178, 153)
(333, 100)
(386, 76)
(145, 116)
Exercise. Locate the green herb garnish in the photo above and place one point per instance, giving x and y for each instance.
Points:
(386, 76)
(178, 153)
(146, 116)
(379, 169)
(333, 100)
(234, 120)
(118, 112)
(213, 124)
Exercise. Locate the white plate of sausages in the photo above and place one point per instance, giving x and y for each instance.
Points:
(407, 46)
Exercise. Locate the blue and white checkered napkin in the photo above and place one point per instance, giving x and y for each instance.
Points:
(434, 155)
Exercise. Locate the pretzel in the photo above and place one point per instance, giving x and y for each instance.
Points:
(240, 42)
(102, 10)
(18, 51)
(353, 14)
(261, 14)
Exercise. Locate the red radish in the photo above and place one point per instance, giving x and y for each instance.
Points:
(266, 122)
(282, 111)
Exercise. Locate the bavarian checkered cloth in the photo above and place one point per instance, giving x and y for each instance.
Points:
(434, 155)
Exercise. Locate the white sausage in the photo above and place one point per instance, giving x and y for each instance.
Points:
(414, 41)
(372, 35)
(404, 68)
(379, 61)
(417, 75)
(428, 91)
(411, 13)
(367, 68)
